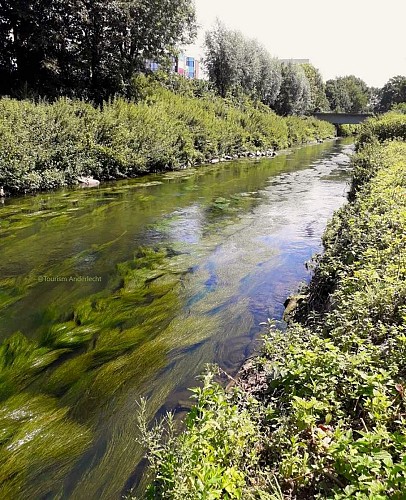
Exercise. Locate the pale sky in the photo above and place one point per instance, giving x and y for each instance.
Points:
(342, 37)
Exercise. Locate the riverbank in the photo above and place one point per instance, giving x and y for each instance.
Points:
(320, 411)
(46, 146)
(128, 290)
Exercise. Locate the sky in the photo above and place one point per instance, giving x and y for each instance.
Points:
(343, 37)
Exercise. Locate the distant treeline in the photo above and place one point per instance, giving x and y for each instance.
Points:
(45, 146)
(236, 63)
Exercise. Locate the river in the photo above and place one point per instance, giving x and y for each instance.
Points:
(136, 286)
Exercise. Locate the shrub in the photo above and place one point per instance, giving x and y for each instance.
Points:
(382, 128)
(215, 455)
(174, 123)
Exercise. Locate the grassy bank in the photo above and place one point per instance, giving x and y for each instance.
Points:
(320, 413)
(45, 146)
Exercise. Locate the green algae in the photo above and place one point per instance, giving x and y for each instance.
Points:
(36, 437)
(89, 351)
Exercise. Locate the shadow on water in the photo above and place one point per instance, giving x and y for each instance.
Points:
(128, 291)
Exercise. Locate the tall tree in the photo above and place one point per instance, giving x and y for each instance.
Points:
(87, 47)
(393, 92)
(224, 57)
(348, 94)
(318, 98)
(21, 27)
(374, 99)
(234, 61)
(294, 96)
(338, 96)
(269, 80)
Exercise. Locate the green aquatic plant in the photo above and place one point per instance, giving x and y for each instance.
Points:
(67, 335)
(324, 401)
(36, 436)
(21, 360)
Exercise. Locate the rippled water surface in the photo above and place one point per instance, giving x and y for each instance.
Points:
(167, 272)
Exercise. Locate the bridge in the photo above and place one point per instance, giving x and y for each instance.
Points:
(343, 118)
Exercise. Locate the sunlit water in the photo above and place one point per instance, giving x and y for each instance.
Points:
(173, 271)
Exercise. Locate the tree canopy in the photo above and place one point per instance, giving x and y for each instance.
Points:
(86, 47)
(318, 99)
(348, 94)
(392, 93)
(235, 62)
(294, 96)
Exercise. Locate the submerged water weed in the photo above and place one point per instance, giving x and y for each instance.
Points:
(234, 204)
(73, 358)
(37, 436)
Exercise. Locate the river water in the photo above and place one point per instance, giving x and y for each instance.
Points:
(163, 274)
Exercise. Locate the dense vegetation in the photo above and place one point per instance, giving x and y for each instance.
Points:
(86, 49)
(347, 94)
(392, 93)
(320, 413)
(45, 146)
(236, 63)
(92, 49)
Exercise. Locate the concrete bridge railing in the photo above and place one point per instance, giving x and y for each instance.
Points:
(343, 118)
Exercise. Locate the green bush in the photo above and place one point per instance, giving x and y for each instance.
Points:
(347, 130)
(214, 457)
(172, 123)
(389, 126)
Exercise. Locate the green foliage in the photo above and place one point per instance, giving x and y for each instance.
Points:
(347, 94)
(45, 146)
(383, 128)
(347, 130)
(400, 107)
(236, 62)
(330, 393)
(87, 49)
(392, 93)
(215, 456)
(318, 98)
(294, 97)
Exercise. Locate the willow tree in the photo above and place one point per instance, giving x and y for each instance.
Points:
(235, 62)
(294, 96)
(269, 79)
(318, 98)
(224, 57)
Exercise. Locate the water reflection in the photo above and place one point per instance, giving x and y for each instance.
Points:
(190, 263)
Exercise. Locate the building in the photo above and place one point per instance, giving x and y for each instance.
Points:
(186, 66)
